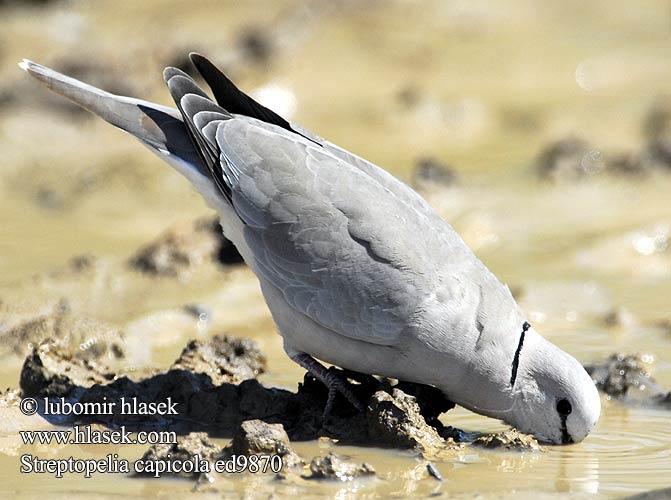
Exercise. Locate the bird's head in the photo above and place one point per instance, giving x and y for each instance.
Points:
(553, 396)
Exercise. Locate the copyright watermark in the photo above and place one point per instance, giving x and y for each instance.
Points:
(28, 406)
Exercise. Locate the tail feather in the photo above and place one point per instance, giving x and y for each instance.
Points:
(158, 127)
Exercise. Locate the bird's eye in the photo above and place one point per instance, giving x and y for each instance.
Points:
(564, 407)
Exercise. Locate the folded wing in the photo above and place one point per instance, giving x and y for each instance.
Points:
(333, 239)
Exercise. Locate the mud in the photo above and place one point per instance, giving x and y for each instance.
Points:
(487, 109)
(510, 439)
(255, 437)
(625, 377)
(224, 359)
(662, 494)
(657, 130)
(214, 389)
(397, 421)
(432, 173)
(184, 247)
(86, 337)
(336, 468)
(52, 371)
(195, 444)
(574, 158)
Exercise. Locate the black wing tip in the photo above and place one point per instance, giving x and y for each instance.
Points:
(232, 99)
(202, 63)
(210, 72)
(197, 58)
(204, 66)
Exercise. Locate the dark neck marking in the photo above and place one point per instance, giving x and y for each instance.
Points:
(565, 436)
(516, 359)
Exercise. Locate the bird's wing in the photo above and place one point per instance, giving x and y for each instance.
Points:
(235, 101)
(339, 244)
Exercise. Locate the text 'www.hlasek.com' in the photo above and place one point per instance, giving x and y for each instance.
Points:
(59, 408)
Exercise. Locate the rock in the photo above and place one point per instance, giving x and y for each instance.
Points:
(223, 358)
(510, 439)
(333, 467)
(624, 377)
(182, 248)
(395, 421)
(255, 437)
(431, 172)
(195, 450)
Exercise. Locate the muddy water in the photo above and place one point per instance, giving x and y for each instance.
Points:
(485, 86)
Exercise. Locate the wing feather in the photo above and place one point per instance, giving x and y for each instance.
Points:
(332, 232)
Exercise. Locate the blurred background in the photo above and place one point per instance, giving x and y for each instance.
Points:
(541, 131)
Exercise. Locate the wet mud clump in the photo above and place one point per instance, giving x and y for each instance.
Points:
(572, 159)
(52, 371)
(333, 467)
(510, 439)
(194, 447)
(213, 389)
(625, 378)
(255, 437)
(182, 248)
(430, 172)
(223, 358)
(397, 421)
(568, 158)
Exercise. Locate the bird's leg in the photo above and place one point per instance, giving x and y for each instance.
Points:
(330, 379)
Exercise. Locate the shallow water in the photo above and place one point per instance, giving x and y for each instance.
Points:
(495, 81)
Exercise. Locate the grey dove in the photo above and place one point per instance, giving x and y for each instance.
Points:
(356, 267)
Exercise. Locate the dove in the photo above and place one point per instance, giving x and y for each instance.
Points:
(357, 269)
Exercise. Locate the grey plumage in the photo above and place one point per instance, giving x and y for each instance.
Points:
(357, 269)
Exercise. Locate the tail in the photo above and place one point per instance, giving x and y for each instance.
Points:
(160, 128)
